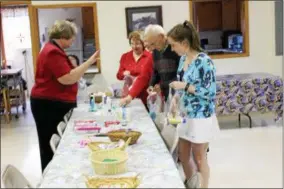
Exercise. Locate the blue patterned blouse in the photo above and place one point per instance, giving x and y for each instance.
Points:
(201, 73)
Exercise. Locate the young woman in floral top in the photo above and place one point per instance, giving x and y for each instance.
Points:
(196, 91)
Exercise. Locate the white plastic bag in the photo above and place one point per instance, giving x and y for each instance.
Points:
(154, 103)
(169, 132)
(128, 81)
(82, 96)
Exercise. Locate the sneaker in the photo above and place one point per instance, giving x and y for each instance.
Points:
(194, 181)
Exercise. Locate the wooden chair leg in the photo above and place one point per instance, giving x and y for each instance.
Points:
(7, 111)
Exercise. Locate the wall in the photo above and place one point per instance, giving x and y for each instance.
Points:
(113, 42)
(47, 17)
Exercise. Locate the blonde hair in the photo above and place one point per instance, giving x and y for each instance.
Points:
(135, 35)
(62, 29)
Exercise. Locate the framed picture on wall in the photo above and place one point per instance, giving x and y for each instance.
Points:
(137, 18)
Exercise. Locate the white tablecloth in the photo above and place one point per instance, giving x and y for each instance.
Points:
(149, 157)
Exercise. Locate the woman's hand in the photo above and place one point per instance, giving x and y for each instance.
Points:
(177, 85)
(125, 101)
(126, 73)
(94, 57)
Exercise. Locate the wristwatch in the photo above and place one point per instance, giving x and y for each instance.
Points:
(186, 87)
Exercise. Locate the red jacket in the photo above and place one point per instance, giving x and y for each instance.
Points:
(52, 63)
(142, 70)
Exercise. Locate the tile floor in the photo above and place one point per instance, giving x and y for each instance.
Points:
(239, 158)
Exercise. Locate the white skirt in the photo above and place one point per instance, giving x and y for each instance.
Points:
(199, 130)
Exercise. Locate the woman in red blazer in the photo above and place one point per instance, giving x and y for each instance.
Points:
(55, 90)
(137, 63)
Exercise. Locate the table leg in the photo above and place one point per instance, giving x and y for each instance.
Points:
(250, 121)
(23, 96)
(239, 120)
(18, 97)
(8, 103)
(6, 106)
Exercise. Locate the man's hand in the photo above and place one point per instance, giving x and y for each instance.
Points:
(150, 89)
(125, 101)
(157, 88)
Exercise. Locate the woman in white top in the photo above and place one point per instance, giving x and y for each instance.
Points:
(196, 91)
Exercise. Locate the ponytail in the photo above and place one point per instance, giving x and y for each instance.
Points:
(188, 32)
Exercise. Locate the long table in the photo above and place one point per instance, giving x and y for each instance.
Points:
(149, 158)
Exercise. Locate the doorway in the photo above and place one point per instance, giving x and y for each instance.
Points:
(84, 15)
(17, 42)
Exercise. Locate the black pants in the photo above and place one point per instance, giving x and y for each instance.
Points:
(47, 115)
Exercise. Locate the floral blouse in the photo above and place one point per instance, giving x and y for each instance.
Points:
(201, 73)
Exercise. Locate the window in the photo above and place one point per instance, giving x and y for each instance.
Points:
(279, 27)
(222, 26)
(15, 39)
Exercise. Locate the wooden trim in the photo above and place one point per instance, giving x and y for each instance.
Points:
(5, 3)
(34, 35)
(96, 29)
(245, 29)
(70, 5)
(199, 1)
(191, 11)
(229, 55)
(67, 5)
(3, 53)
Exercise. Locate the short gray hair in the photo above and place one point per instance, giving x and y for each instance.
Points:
(154, 29)
(62, 29)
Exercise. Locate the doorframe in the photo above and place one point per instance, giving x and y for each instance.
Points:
(29, 4)
(35, 36)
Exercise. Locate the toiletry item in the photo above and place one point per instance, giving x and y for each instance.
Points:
(108, 123)
(124, 118)
(105, 100)
(93, 107)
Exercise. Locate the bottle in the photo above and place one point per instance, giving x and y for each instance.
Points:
(92, 103)
(124, 117)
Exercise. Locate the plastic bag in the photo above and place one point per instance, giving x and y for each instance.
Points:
(154, 103)
(82, 96)
(116, 89)
(172, 104)
(128, 81)
(169, 131)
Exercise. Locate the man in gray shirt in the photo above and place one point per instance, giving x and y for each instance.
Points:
(165, 60)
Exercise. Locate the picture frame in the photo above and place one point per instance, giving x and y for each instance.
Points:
(137, 18)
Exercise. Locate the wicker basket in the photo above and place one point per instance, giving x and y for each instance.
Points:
(94, 146)
(109, 168)
(126, 182)
(115, 136)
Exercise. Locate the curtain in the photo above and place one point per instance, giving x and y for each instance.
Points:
(16, 31)
(15, 11)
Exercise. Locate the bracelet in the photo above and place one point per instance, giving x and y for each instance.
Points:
(186, 88)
